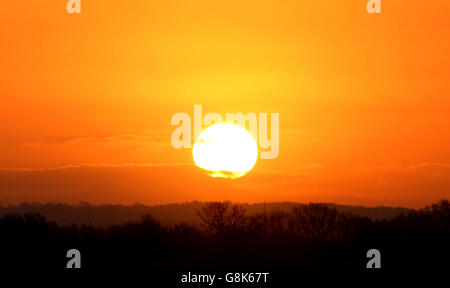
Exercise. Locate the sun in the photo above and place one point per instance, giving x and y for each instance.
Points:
(225, 150)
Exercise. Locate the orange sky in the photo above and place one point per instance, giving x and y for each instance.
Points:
(86, 100)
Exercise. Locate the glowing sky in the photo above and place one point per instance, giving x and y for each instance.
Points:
(86, 100)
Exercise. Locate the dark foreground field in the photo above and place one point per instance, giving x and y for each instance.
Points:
(312, 235)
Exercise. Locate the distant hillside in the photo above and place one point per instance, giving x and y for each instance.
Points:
(104, 215)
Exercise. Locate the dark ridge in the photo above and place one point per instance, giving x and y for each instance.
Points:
(107, 214)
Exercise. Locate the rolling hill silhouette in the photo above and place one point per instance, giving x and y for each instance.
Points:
(104, 215)
(223, 234)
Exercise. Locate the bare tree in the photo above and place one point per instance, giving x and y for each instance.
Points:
(276, 222)
(220, 217)
(440, 209)
(439, 212)
(213, 215)
(236, 219)
(314, 220)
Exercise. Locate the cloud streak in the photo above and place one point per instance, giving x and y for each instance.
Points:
(149, 136)
(87, 165)
(157, 183)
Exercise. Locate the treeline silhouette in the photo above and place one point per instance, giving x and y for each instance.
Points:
(108, 214)
(312, 235)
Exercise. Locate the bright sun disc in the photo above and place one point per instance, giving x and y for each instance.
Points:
(226, 150)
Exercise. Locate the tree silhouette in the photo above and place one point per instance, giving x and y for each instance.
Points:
(321, 237)
(213, 216)
(440, 212)
(277, 222)
(221, 217)
(315, 221)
